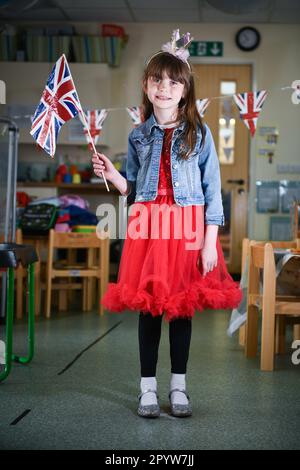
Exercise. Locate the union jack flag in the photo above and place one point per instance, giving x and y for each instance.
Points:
(135, 112)
(202, 105)
(250, 105)
(94, 120)
(59, 104)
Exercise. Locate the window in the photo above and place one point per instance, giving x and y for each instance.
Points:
(226, 123)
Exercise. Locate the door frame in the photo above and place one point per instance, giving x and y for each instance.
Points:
(252, 156)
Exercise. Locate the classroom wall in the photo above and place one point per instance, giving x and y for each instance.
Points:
(275, 64)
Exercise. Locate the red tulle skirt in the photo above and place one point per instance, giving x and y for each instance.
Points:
(158, 271)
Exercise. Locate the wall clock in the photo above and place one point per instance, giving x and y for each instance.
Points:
(247, 38)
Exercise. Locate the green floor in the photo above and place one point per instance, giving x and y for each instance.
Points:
(84, 396)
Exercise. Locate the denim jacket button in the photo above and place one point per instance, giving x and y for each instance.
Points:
(175, 165)
(176, 184)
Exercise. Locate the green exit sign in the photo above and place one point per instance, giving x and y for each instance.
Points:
(206, 49)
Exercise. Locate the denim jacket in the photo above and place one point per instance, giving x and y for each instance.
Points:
(195, 181)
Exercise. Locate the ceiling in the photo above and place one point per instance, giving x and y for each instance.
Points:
(154, 11)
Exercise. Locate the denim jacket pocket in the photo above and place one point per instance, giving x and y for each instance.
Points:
(181, 147)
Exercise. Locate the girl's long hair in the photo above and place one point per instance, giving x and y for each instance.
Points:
(178, 71)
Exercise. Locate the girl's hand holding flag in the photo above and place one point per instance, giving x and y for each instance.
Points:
(103, 165)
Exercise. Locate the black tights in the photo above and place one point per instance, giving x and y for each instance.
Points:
(180, 331)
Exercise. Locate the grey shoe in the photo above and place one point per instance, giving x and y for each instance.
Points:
(148, 411)
(178, 410)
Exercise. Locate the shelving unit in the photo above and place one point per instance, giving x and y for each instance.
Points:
(85, 187)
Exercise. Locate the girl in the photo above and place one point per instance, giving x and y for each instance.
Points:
(173, 181)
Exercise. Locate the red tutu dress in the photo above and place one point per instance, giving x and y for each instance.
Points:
(158, 271)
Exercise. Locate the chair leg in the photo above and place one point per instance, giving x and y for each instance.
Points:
(102, 255)
(89, 303)
(37, 287)
(95, 291)
(104, 267)
(251, 331)
(280, 334)
(94, 280)
(9, 323)
(89, 284)
(31, 306)
(62, 298)
(242, 335)
(20, 291)
(49, 275)
(84, 294)
(19, 274)
(71, 260)
(267, 340)
(48, 297)
(101, 290)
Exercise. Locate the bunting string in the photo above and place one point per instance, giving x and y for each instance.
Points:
(60, 103)
(125, 108)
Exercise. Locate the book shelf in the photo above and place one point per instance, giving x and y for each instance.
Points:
(48, 48)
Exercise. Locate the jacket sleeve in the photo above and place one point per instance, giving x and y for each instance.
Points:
(211, 182)
(132, 167)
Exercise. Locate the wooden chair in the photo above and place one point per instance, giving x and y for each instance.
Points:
(261, 256)
(280, 336)
(40, 243)
(99, 271)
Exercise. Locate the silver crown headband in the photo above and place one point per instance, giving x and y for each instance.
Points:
(178, 47)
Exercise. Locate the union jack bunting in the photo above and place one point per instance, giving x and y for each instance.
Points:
(59, 104)
(135, 112)
(94, 120)
(202, 105)
(250, 105)
(296, 93)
